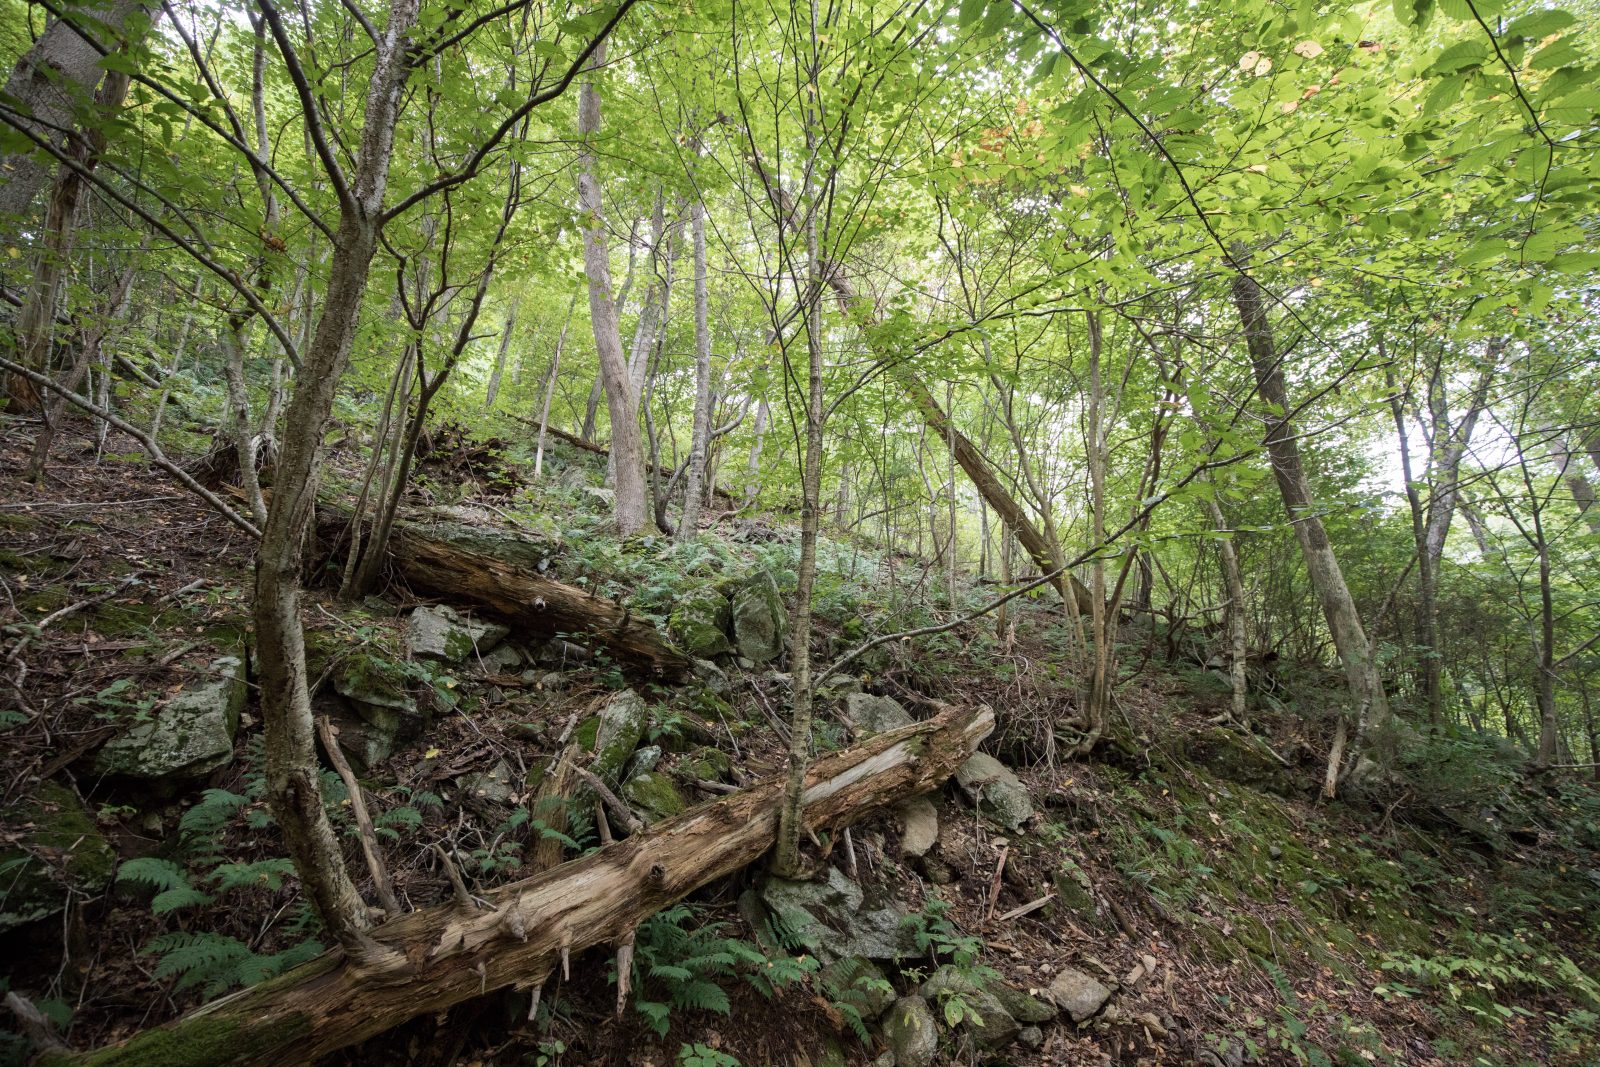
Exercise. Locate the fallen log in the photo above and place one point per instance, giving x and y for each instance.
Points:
(441, 956)
(501, 575)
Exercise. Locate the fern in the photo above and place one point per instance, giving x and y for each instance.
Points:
(152, 871)
(217, 963)
(263, 874)
(186, 896)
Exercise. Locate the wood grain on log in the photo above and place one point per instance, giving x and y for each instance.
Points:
(445, 955)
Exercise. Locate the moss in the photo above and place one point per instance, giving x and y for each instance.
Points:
(706, 764)
(202, 1040)
(586, 733)
(64, 848)
(654, 796)
(12, 520)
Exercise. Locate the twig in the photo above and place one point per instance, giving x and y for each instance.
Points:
(70, 609)
(994, 884)
(613, 803)
(358, 807)
(1031, 906)
(457, 886)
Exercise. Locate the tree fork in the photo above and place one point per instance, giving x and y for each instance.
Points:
(445, 955)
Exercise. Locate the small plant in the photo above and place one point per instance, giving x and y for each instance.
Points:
(698, 1055)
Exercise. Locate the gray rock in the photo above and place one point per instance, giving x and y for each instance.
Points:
(875, 715)
(701, 621)
(59, 852)
(910, 1031)
(760, 622)
(493, 785)
(919, 822)
(621, 723)
(563, 654)
(644, 760)
(987, 1020)
(192, 735)
(885, 1060)
(375, 687)
(503, 659)
(1030, 1037)
(713, 677)
(440, 632)
(832, 917)
(1021, 1006)
(606, 498)
(995, 791)
(838, 687)
(1077, 994)
(364, 743)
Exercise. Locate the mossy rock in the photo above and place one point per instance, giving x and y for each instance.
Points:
(618, 728)
(190, 736)
(374, 683)
(760, 621)
(859, 983)
(61, 851)
(706, 764)
(701, 622)
(653, 796)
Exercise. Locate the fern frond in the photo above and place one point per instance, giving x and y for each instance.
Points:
(155, 872)
(183, 896)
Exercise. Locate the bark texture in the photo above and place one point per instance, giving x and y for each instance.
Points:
(445, 955)
(1322, 565)
(627, 447)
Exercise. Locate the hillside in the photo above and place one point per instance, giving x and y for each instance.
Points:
(1181, 892)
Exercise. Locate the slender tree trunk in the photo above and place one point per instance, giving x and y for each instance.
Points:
(1094, 445)
(694, 474)
(1322, 565)
(632, 509)
(786, 859)
(1233, 583)
(294, 788)
(550, 388)
(36, 325)
(89, 354)
(500, 356)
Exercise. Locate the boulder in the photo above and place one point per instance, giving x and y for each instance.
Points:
(834, 919)
(712, 677)
(192, 734)
(706, 764)
(440, 632)
(700, 622)
(503, 659)
(644, 760)
(760, 622)
(615, 734)
(911, 1033)
(653, 796)
(870, 715)
(970, 1005)
(493, 785)
(58, 851)
(995, 791)
(919, 823)
(1078, 994)
(377, 688)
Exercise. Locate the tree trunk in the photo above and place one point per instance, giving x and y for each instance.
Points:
(61, 68)
(1322, 565)
(500, 357)
(694, 475)
(627, 449)
(36, 325)
(294, 788)
(550, 388)
(445, 955)
(1233, 582)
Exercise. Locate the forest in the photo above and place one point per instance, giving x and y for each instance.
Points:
(715, 533)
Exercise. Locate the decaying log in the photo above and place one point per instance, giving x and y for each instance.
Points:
(501, 575)
(445, 955)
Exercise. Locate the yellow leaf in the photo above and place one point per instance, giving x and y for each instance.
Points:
(1263, 65)
(431, 753)
(1308, 49)
(1079, 190)
(1257, 168)
(1249, 60)
(1289, 105)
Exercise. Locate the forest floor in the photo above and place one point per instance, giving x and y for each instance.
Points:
(1187, 864)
